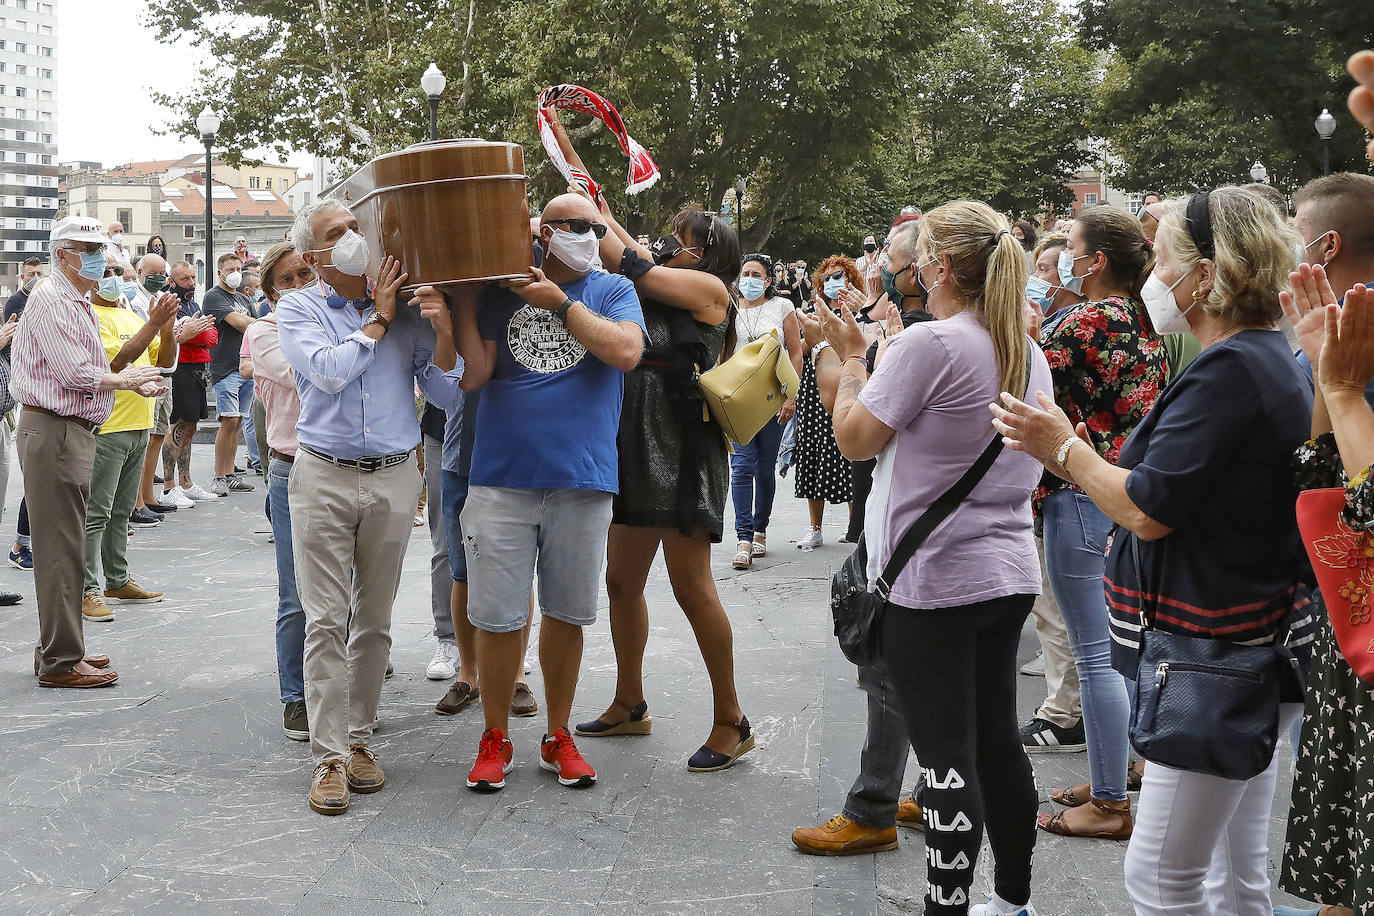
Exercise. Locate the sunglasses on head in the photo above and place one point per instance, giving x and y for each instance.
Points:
(581, 226)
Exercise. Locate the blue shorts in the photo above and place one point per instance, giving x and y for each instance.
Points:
(453, 490)
(233, 395)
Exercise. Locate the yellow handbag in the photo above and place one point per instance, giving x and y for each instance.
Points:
(744, 392)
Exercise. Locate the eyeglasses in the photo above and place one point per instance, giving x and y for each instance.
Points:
(581, 226)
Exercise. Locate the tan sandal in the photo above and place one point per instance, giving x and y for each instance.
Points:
(744, 557)
(760, 548)
(1056, 824)
(1081, 793)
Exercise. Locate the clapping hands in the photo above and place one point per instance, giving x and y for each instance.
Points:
(1347, 363)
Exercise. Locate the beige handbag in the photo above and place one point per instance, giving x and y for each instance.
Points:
(744, 392)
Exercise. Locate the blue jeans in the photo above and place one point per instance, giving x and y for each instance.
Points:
(753, 480)
(1075, 538)
(290, 617)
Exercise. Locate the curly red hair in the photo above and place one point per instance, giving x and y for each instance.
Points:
(828, 266)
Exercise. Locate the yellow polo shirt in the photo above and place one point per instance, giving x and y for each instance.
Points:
(131, 411)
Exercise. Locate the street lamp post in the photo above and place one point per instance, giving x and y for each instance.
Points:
(739, 206)
(433, 83)
(1259, 173)
(1326, 126)
(208, 123)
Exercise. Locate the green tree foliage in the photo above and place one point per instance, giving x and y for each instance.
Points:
(788, 93)
(1200, 90)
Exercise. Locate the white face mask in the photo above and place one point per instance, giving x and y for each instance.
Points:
(1164, 312)
(576, 252)
(117, 238)
(350, 254)
(232, 280)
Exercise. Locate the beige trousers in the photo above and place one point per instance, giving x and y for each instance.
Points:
(1063, 705)
(349, 531)
(56, 456)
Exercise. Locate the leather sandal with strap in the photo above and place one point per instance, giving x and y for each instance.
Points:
(744, 556)
(1056, 824)
(1079, 794)
(760, 548)
(708, 760)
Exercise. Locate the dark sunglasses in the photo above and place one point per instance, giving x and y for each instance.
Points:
(581, 226)
(837, 275)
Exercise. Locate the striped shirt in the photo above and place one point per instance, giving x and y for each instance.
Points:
(57, 359)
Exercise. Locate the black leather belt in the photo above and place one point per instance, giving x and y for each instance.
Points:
(367, 463)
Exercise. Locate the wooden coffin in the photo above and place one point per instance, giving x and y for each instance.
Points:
(452, 211)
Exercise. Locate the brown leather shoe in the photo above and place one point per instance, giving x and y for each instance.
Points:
(910, 815)
(95, 661)
(329, 788)
(81, 675)
(364, 772)
(458, 697)
(840, 836)
(132, 593)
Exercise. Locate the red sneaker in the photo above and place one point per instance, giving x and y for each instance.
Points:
(495, 758)
(558, 754)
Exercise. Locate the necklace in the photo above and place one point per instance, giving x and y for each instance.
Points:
(751, 327)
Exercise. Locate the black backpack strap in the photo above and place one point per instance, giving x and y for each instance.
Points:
(940, 510)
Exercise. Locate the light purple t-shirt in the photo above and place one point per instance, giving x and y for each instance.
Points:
(933, 386)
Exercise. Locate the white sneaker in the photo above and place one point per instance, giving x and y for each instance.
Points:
(812, 540)
(219, 486)
(1035, 667)
(444, 664)
(997, 907)
(194, 492)
(177, 497)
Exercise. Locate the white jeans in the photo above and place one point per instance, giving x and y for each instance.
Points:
(1201, 843)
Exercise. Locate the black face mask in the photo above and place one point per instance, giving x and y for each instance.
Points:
(870, 247)
(665, 249)
(183, 293)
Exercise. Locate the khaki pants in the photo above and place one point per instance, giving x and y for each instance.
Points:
(1063, 706)
(56, 456)
(115, 479)
(349, 532)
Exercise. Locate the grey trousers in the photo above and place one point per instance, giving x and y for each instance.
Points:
(440, 579)
(349, 531)
(56, 456)
(873, 798)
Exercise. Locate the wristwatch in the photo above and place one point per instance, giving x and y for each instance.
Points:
(379, 318)
(561, 313)
(1063, 454)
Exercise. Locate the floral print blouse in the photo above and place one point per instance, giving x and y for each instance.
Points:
(1108, 366)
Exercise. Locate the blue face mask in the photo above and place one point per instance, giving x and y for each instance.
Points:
(109, 288)
(130, 288)
(751, 287)
(92, 264)
(1041, 293)
(832, 288)
(1066, 277)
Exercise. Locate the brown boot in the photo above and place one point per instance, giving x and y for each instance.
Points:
(1098, 819)
(364, 772)
(840, 836)
(329, 788)
(910, 815)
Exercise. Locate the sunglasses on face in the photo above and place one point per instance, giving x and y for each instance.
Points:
(581, 226)
(837, 275)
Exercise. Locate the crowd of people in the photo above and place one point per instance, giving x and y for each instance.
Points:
(1131, 403)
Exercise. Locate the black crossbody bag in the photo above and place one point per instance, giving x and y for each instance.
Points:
(1207, 705)
(857, 607)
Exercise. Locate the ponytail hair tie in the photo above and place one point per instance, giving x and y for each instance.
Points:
(997, 236)
(1149, 245)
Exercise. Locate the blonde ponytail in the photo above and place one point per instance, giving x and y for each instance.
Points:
(988, 269)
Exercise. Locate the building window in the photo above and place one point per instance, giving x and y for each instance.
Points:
(46, 74)
(21, 202)
(306, 202)
(21, 113)
(45, 224)
(126, 219)
(188, 231)
(45, 29)
(21, 70)
(21, 157)
(21, 224)
(45, 159)
(20, 92)
(21, 47)
(21, 135)
(253, 182)
(269, 184)
(1089, 200)
(47, 52)
(47, 138)
(2, 155)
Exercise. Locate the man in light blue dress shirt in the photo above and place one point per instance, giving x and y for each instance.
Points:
(353, 488)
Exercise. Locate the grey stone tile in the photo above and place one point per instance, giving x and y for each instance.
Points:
(158, 890)
(320, 904)
(844, 901)
(38, 899)
(383, 871)
(89, 840)
(699, 885)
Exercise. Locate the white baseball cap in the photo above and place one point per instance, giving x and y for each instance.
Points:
(78, 229)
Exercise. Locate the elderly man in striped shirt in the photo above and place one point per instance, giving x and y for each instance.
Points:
(62, 377)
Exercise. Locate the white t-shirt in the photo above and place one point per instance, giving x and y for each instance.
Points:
(768, 315)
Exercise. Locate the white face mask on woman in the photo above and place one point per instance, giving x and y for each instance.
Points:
(575, 251)
(1159, 302)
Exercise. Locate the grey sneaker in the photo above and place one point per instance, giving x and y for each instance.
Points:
(293, 721)
(219, 487)
(522, 702)
(239, 485)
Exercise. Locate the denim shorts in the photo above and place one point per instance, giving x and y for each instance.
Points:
(509, 533)
(233, 395)
(453, 490)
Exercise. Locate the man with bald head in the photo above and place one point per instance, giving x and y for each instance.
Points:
(550, 357)
(153, 281)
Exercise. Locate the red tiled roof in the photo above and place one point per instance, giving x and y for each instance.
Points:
(192, 203)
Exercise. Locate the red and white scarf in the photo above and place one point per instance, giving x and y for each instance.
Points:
(643, 172)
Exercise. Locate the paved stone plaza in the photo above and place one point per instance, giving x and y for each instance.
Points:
(175, 791)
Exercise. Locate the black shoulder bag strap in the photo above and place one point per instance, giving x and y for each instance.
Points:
(942, 507)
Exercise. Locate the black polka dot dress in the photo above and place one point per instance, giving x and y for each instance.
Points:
(822, 472)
